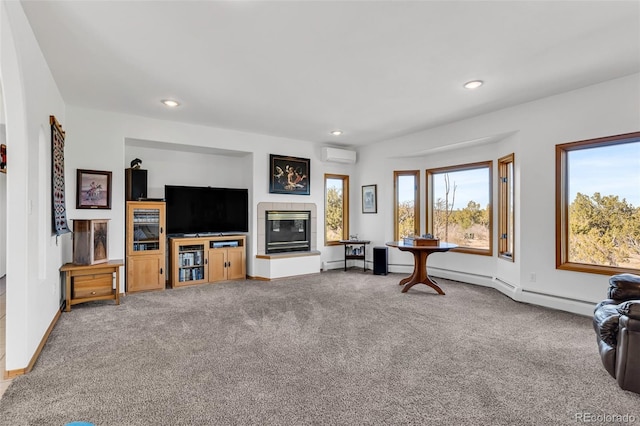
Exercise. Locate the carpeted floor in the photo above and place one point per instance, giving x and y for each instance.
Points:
(342, 348)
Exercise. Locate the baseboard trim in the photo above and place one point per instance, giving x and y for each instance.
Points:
(339, 264)
(575, 306)
(250, 277)
(517, 293)
(467, 277)
(10, 374)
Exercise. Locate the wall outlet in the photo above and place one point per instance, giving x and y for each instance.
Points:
(532, 277)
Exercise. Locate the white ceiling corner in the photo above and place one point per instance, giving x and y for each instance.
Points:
(375, 69)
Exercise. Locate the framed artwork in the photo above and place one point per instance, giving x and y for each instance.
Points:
(288, 175)
(93, 189)
(3, 158)
(370, 199)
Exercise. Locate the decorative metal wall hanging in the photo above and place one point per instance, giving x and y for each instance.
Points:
(60, 224)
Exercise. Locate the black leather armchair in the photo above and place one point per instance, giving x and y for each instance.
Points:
(616, 321)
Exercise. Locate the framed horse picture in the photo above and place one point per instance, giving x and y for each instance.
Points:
(93, 189)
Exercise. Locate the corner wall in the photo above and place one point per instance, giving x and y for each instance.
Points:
(33, 255)
(531, 131)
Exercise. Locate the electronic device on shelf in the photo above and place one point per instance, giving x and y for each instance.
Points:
(220, 244)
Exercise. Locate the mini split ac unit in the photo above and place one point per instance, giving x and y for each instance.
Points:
(337, 155)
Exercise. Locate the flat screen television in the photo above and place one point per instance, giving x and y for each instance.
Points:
(206, 210)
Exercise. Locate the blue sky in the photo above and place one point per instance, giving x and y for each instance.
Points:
(334, 183)
(471, 185)
(610, 170)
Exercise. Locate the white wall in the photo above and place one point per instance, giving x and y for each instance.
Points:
(169, 164)
(531, 131)
(30, 96)
(127, 137)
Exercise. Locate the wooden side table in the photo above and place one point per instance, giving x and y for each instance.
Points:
(85, 283)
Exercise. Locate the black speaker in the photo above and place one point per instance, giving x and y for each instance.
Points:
(135, 181)
(380, 261)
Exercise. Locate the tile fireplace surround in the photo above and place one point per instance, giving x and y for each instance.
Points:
(262, 219)
(272, 266)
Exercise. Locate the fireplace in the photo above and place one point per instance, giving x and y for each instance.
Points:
(281, 263)
(287, 231)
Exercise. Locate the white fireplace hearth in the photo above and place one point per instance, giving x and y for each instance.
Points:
(287, 264)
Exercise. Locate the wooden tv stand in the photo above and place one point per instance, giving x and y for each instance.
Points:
(206, 259)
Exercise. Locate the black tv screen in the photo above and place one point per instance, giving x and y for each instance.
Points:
(206, 210)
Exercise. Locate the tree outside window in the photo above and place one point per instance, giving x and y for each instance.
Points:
(406, 203)
(336, 209)
(459, 206)
(598, 209)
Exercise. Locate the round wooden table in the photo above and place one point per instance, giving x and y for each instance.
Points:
(420, 254)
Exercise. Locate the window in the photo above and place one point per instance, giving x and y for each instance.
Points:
(336, 208)
(506, 215)
(459, 206)
(598, 205)
(406, 203)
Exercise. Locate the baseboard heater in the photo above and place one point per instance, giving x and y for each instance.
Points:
(506, 284)
(553, 296)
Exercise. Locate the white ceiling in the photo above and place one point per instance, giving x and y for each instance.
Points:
(375, 69)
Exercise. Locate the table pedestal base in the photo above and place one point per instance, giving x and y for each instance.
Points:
(419, 275)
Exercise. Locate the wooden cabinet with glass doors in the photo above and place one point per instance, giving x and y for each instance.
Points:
(146, 242)
(188, 261)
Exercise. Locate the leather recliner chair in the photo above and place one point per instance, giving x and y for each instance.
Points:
(616, 321)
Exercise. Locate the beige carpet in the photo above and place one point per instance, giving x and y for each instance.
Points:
(335, 348)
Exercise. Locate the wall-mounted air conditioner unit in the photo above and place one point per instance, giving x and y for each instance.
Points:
(337, 155)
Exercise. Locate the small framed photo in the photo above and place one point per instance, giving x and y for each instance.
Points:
(370, 199)
(288, 175)
(93, 189)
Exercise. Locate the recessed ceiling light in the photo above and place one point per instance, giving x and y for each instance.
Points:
(170, 103)
(473, 84)
(336, 132)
